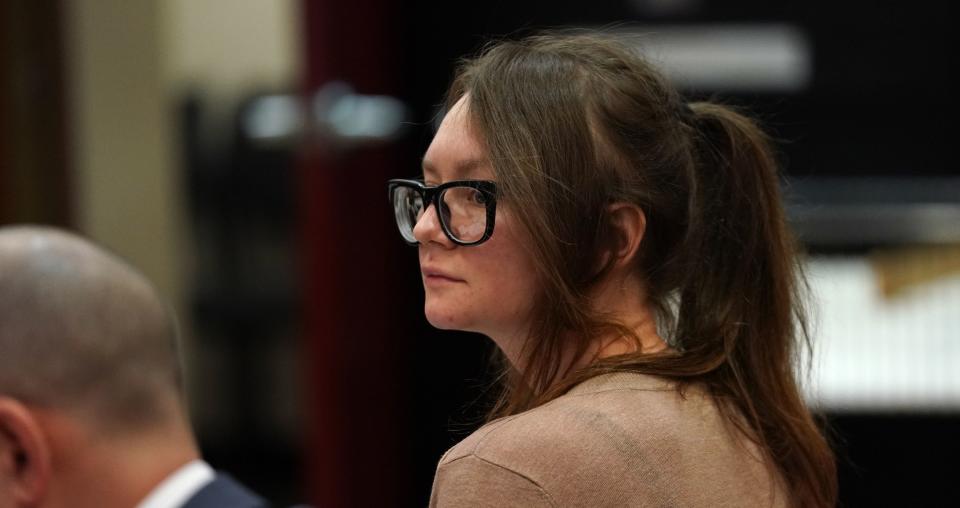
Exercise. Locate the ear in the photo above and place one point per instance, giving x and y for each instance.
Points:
(628, 224)
(24, 454)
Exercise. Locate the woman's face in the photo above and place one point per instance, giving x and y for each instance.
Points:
(487, 288)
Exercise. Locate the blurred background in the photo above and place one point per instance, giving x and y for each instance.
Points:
(236, 151)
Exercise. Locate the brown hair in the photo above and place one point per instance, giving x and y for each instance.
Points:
(575, 122)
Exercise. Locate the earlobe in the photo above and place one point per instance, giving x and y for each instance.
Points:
(628, 224)
(24, 454)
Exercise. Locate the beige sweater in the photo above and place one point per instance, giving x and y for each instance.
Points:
(614, 440)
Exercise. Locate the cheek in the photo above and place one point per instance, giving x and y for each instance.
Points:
(489, 305)
(513, 265)
(499, 291)
(499, 295)
(512, 279)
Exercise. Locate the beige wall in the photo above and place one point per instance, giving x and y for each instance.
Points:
(228, 46)
(127, 189)
(126, 62)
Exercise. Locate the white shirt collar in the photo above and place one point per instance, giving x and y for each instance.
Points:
(177, 488)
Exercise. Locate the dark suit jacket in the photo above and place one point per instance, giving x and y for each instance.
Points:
(225, 492)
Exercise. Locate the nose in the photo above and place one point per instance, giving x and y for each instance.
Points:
(428, 229)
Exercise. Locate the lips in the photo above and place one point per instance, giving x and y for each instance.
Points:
(438, 276)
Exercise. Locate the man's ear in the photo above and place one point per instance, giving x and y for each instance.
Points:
(24, 454)
(628, 224)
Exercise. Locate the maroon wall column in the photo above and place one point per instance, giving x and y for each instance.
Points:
(355, 439)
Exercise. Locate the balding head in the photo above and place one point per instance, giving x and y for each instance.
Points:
(80, 330)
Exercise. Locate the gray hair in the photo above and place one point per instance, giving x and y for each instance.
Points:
(81, 330)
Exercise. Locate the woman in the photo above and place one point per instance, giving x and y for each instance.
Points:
(627, 253)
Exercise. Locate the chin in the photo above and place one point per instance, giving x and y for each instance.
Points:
(445, 317)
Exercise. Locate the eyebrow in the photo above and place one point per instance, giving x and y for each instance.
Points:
(460, 170)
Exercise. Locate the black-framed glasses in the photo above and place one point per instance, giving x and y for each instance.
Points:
(466, 208)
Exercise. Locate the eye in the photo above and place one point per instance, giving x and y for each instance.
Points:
(477, 197)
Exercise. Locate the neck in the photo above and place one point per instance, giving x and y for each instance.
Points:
(646, 340)
(619, 299)
(119, 469)
(622, 298)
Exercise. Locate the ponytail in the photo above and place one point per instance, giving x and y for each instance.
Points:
(739, 302)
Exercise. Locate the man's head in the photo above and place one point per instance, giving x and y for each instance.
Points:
(88, 360)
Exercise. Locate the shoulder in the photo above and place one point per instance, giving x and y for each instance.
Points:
(473, 481)
(613, 426)
(225, 491)
(614, 440)
(604, 410)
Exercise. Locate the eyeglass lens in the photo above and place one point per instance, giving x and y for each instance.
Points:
(462, 210)
(407, 207)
